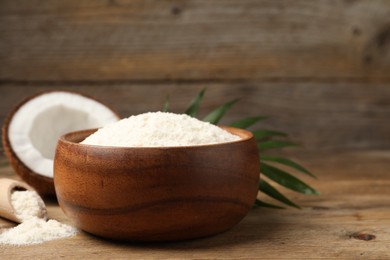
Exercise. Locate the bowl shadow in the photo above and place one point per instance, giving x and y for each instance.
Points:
(255, 227)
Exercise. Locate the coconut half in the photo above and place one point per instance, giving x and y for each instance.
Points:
(31, 131)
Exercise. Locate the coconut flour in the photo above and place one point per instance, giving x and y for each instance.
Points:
(27, 205)
(34, 228)
(159, 129)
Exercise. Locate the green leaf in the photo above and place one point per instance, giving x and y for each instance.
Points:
(166, 104)
(259, 203)
(247, 122)
(274, 193)
(261, 134)
(193, 108)
(264, 141)
(274, 144)
(287, 162)
(285, 179)
(214, 116)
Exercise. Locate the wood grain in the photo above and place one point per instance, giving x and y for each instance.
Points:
(193, 40)
(355, 201)
(154, 193)
(317, 115)
(320, 69)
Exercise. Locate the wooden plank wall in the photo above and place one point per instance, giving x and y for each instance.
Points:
(320, 69)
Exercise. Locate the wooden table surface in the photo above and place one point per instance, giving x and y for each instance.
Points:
(349, 220)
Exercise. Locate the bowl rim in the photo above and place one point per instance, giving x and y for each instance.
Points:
(244, 135)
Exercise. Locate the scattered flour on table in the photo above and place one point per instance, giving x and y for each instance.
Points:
(159, 129)
(34, 229)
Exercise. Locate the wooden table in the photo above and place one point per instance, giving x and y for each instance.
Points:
(349, 220)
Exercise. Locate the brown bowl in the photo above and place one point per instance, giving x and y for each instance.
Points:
(156, 194)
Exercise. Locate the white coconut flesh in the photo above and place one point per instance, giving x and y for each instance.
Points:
(36, 126)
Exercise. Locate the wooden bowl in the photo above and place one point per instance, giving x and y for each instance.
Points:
(156, 194)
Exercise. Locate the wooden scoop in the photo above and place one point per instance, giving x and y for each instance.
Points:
(7, 186)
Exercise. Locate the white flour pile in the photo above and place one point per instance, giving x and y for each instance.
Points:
(34, 228)
(159, 129)
(27, 205)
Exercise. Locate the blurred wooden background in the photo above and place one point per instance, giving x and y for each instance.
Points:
(320, 69)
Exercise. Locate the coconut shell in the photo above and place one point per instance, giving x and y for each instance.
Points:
(42, 184)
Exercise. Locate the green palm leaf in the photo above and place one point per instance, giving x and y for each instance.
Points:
(285, 179)
(274, 193)
(274, 144)
(193, 108)
(264, 142)
(247, 122)
(218, 113)
(287, 162)
(166, 105)
(261, 134)
(259, 203)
